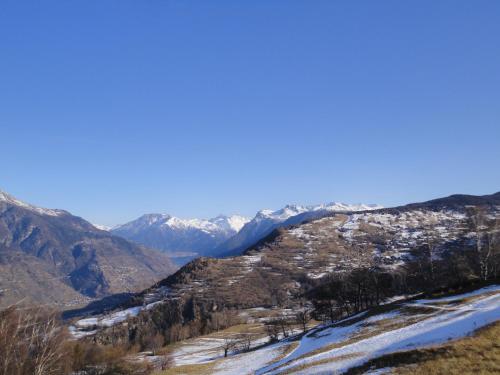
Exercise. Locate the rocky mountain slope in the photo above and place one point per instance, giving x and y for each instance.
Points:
(181, 237)
(398, 247)
(265, 221)
(50, 256)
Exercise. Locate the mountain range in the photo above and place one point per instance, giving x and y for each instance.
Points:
(185, 238)
(48, 256)
(222, 235)
(335, 263)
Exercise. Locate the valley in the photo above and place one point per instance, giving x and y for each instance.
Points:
(325, 271)
(334, 291)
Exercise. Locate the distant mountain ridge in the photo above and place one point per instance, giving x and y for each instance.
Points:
(265, 221)
(221, 235)
(51, 256)
(9, 199)
(174, 235)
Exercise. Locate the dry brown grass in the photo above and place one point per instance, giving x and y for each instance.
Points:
(286, 351)
(479, 355)
(198, 369)
(319, 362)
(240, 328)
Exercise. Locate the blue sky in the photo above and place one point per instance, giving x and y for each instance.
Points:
(115, 108)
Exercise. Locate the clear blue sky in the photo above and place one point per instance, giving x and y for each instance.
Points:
(115, 108)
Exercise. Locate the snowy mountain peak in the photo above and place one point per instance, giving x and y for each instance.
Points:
(281, 214)
(153, 218)
(264, 213)
(175, 222)
(173, 234)
(102, 227)
(267, 220)
(220, 223)
(233, 223)
(7, 198)
(339, 206)
(293, 209)
(221, 233)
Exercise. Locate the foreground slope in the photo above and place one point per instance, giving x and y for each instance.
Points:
(50, 256)
(369, 335)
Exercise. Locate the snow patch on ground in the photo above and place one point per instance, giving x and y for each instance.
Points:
(439, 327)
(249, 363)
(82, 326)
(198, 351)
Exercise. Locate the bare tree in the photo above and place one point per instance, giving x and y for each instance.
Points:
(155, 342)
(303, 317)
(431, 240)
(246, 341)
(327, 310)
(217, 320)
(164, 362)
(492, 245)
(230, 343)
(31, 341)
(486, 229)
(494, 248)
(272, 330)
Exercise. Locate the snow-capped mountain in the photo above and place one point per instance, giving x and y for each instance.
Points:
(174, 235)
(9, 199)
(188, 238)
(265, 221)
(102, 227)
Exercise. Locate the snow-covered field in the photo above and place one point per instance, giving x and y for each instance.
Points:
(198, 351)
(82, 327)
(209, 348)
(354, 341)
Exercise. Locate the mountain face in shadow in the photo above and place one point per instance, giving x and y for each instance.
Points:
(50, 256)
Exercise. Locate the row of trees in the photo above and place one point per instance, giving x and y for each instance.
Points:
(348, 293)
(170, 322)
(237, 343)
